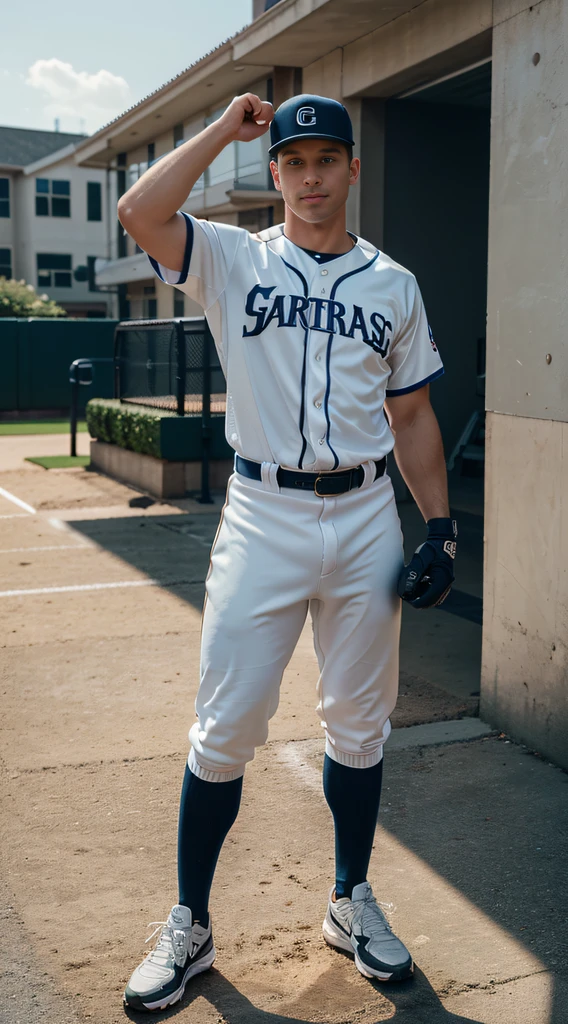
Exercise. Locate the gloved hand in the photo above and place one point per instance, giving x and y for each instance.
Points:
(427, 579)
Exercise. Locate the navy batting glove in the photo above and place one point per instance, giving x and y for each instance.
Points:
(427, 579)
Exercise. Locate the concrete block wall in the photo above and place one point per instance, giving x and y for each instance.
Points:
(525, 633)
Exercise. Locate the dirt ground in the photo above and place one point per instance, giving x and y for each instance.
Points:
(100, 604)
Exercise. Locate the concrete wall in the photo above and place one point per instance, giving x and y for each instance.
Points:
(524, 680)
(525, 621)
(435, 38)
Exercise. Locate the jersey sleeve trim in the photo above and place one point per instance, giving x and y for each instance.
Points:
(157, 267)
(414, 387)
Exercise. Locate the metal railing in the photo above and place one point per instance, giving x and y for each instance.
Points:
(164, 364)
(168, 364)
(80, 372)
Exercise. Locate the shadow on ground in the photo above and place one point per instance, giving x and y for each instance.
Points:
(415, 999)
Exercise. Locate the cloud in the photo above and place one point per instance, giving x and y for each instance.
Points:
(77, 97)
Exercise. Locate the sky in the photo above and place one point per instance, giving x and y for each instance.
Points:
(87, 63)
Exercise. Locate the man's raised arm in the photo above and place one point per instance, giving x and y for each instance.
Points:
(149, 210)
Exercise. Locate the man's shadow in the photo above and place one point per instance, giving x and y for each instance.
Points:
(415, 999)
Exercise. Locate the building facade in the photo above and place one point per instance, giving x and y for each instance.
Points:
(460, 113)
(53, 218)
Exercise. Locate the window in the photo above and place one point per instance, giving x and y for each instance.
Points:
(53, 198)
(252, 160)
(149, 303)
(151, 152)
(178, 135)
(5, 263)
(179, 305)
(245, 163)
(136, 171)
(54, 270)
(121, 188)
(4, 197)
(224, 166)
(94, 203)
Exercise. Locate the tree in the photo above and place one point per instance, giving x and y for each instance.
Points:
(19, 299)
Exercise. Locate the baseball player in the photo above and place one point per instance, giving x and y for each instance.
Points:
(319, 334)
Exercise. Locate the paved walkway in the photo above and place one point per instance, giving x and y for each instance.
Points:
(100, 606)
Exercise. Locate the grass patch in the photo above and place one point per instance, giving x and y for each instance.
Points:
(60, 461)
(39, 427)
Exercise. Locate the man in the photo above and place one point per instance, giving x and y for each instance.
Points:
(314, 327)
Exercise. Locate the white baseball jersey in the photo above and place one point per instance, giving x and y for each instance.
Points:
(310, 351)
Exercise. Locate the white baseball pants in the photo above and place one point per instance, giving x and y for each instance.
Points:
(277, 554)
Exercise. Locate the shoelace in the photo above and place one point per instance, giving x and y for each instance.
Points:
(372, 903)
(171, 946)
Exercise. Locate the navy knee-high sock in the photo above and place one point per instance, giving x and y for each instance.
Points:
(207, 812)
(353, 795)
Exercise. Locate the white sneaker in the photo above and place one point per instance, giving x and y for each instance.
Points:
(183, 950)
(359, 927)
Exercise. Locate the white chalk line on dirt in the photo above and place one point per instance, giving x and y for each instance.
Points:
(46, 547)
(15, 515)
(18, 501)
(80, 587)
(80, 541)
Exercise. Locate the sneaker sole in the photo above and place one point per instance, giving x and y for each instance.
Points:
(338, 941)
(138, 1003)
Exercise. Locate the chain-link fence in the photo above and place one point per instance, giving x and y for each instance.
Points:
(169, 364)
(173, 365)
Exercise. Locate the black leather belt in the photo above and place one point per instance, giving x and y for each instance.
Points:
(325, 485)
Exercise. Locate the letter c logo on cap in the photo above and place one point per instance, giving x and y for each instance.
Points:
(306, 116)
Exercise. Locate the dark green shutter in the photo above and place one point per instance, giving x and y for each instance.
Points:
(94, 201)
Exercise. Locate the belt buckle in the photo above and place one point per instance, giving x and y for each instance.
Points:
(316, 487)
(331, 494)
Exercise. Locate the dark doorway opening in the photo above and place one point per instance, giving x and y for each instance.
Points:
(437, 147)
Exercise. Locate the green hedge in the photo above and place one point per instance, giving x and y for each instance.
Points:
(154, 431)
(130, 426)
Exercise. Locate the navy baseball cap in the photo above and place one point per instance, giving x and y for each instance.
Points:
(310, 117)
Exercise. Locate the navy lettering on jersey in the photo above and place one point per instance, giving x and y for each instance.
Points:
(259, 313)
(358, 324)
(315, 314)
(298, 306)
(380, 341)
(335, 314)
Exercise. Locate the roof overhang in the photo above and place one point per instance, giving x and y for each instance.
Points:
(52, 158)
(293, 33)
(123, 271)
(214, 201)
(202, 87)
(298, 32)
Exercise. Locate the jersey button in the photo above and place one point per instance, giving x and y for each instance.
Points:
(318, 357)
(321, 440)
(324, 273)
(317, 405)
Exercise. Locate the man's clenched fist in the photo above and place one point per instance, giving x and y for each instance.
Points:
(427, 579)
(247, 117)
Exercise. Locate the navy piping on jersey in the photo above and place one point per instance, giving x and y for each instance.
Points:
(328, 353)
(303, 382)
(186, 256)
(393, 392)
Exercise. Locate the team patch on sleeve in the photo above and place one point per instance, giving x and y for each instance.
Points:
(432, 342)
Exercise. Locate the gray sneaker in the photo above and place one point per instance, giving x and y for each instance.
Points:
(359, 927)
(183, 950)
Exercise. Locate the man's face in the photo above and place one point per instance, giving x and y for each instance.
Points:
(314, 176)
